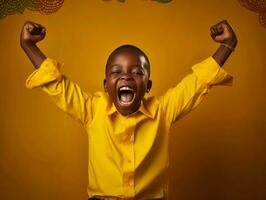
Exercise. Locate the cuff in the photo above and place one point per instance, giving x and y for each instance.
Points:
(210, 72)
(48, 72)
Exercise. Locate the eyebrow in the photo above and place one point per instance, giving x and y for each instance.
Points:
(135, 65)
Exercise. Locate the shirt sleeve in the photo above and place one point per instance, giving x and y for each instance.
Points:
(65, 93)
(184, 97)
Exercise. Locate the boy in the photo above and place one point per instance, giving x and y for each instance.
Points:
(127, 133)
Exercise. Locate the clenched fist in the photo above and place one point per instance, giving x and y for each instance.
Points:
(32, 33)
(223, 33)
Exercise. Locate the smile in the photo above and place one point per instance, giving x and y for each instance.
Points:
(126, 95)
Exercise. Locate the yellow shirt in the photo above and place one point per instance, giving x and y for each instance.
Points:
(128, 156)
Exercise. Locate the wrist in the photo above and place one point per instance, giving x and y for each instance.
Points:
(232, 42)
(224, 45)
(26, 43)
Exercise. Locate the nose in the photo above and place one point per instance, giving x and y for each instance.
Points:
(126, 77)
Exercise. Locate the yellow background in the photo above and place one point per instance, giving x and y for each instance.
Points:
(217, 152)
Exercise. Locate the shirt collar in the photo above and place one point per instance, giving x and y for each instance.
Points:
(111, 109)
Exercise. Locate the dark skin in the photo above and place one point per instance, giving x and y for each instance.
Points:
(126, 69)
(32, 33)
(223, 33)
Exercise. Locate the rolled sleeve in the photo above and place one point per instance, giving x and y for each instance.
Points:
(211, 73)
(48, 72)
(185, 96)
(66, 94)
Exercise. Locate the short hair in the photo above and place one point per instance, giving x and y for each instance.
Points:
(129, 46)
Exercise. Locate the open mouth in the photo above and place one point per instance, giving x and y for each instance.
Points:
(126, 95)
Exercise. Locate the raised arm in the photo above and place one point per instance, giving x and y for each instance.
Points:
(185, 96)
(32, 33)
(67, 95)
(223, 34)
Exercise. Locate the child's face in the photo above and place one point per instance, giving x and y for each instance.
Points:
(127, 80)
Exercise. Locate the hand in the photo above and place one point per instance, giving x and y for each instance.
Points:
(32, 33)
(223, 33)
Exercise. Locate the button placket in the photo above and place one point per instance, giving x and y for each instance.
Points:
(128, 161)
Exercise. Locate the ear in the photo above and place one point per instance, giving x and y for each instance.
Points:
(105, 85)
(149, 85)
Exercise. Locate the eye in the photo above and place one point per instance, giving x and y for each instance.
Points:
(115, 72)
(138, 72)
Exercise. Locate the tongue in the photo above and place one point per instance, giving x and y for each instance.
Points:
(127, 97)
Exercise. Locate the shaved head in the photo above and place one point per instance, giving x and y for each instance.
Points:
(143, 57)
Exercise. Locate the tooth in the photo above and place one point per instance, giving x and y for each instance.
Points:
(126, 88)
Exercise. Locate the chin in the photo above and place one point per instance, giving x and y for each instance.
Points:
(127, 109)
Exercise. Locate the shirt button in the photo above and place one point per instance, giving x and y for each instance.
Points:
(130, 183)
(131, 139)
